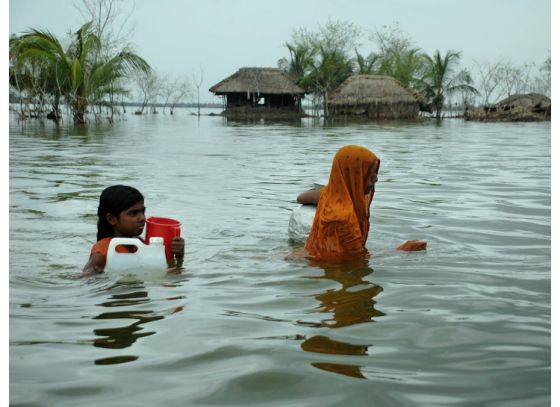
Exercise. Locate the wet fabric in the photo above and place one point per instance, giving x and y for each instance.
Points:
(341, 224)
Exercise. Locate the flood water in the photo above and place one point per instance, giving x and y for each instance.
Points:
(465, 323)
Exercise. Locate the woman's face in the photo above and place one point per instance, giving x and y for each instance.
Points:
(371, 178)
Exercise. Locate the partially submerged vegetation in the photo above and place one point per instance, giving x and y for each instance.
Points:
(92, 75)
(79, 75)
(321, 61)
(516, 108)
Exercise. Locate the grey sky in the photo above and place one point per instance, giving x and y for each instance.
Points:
(220, 36)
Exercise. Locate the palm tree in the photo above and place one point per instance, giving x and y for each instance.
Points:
(406, 66)
(440, 78)
(330, 69)
(366, 65)
(34, 77)
(301, 60)
(80, 74)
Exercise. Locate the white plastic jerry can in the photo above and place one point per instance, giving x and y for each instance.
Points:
(301, 221)
(146, 257)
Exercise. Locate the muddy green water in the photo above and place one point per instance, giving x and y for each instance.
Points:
(466, 323)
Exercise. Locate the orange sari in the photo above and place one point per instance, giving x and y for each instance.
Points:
(341, 224)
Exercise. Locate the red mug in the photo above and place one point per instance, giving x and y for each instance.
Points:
(166, 228)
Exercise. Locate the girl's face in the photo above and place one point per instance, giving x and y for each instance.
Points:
(130, 222)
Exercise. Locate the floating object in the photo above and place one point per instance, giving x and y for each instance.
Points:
(300, 223)
(145, 258)
(166, 228)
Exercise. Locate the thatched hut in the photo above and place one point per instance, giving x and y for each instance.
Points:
(260, 90)
(525, 107)
(375, 97)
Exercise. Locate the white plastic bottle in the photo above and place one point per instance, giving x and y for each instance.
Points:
(146, 257)
(300, 222)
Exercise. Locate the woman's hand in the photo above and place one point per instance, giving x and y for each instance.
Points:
(413, 245)
(310, 197)
(178, 247)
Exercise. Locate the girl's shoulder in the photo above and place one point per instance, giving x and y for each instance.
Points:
(101, 246)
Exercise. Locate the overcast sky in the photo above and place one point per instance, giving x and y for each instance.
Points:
(219, 36)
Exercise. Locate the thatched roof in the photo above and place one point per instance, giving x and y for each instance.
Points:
(258, 80)
(528, 100)
(368, 89)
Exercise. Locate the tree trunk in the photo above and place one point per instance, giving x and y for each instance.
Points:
(80, 110)
(325, 105)
(111, 104)
(198, 99)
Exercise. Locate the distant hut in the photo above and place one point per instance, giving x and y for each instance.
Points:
(515, 108)
(375, 97)
(260, 91)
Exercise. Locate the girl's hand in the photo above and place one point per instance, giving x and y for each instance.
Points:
(95, 265)
(178, 247)
(413, 245)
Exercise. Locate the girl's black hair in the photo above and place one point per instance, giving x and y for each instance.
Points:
(114, 200)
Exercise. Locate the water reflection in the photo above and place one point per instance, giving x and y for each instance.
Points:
(233, 121)
(346, 370)
(51, 130)
(124, 336)
(352, 304)
(323, 344)
(349, 305)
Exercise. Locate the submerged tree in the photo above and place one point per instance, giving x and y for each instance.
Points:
(80, 73)
(330, 70)
(149, 86)
(197, 81)
(440, 78)
(541, 82)
(366, 65)
(488, 81)
(35, 78)
(300, 62)
(406, 67)
(397, 57)
(111, 21)
(321, 60)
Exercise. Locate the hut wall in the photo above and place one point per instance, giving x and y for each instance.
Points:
(238, 99)
(270, 101)
(394, 111)
(282, 101)
(378, 111)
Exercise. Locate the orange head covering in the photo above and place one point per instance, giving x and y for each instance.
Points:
(341, 224)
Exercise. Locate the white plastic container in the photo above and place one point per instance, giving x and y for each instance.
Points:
(146, 257)
(300, 223)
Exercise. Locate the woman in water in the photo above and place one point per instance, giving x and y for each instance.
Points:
(341, 224)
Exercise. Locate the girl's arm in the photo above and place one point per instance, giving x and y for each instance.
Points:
(178, 247)
(309, 197)
(95, 264)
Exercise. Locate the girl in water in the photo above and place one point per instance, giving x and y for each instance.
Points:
(121, 213)
(341, 224)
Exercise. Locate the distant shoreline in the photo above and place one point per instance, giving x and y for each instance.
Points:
(15, 100)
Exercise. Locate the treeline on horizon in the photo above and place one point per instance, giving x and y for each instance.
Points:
(94, 75)
(321, 60)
